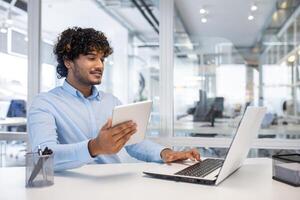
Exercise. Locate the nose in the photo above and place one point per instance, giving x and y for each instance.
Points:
(100, 64)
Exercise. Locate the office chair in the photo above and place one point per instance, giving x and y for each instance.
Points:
(17, 108)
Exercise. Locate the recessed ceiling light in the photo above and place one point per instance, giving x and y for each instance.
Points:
(3, 30)
(275, 16)
(284, 5)
(202, 11)
(203, 20)
(292, 58)
(250, 17)
(9, 21)
(253, 7)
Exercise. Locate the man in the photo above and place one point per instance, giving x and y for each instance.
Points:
(67, 119)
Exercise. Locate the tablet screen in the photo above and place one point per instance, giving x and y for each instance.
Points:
(137, 112)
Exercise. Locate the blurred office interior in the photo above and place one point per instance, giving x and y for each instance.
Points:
(202, 62)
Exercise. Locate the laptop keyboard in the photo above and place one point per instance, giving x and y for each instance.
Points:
(202, 168)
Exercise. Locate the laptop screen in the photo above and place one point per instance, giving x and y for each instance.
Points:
(238, 150)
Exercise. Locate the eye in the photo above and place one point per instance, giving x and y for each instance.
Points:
(91, 57)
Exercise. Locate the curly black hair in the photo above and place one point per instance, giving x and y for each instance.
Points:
(75, 41)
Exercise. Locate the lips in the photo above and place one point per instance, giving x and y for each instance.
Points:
(96, 73)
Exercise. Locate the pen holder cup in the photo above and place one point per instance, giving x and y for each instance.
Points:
(39, 170)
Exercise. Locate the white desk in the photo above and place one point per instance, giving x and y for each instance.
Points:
(12, 135)
(226, 130)
(126, 181)
(13, 121)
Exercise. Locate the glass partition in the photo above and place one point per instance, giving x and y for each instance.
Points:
(216, 73)
(13, 83)
(132, 71)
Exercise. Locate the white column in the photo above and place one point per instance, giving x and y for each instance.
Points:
(295, 65)
(166, 84)
(34, 46)
(260, 84)
(249, 84)
(34, 53)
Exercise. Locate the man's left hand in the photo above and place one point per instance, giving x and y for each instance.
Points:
(169, 155)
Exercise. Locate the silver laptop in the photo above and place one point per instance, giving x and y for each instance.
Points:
(213, 171)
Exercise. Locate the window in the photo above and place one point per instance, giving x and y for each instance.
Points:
(132, 71)
(216, 70)
(13, 82)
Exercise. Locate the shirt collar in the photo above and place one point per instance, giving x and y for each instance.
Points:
(69, 88)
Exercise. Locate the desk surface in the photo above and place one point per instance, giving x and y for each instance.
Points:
(13, 121)
(225, 129)
(126, 181)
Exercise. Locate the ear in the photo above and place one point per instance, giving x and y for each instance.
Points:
(68, 63)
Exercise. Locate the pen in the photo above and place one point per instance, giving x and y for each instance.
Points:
(40, 153)
(39, 164)
(39, 150)
(35, 171)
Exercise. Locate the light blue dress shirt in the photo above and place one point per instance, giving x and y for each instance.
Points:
(64, 120)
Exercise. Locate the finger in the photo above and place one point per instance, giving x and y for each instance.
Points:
(122, 123)
(180, 156)
(121, 127)
(123, 133)
(121, 142)
(107, 125)
(190, 156)
(196, 154)
(184, 156)
(126, 136)
(120, 145)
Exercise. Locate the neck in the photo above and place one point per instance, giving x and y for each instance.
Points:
(86, 90)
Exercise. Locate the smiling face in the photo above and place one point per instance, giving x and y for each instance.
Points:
(86, 70)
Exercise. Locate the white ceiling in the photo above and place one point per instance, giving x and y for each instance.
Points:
(226, 19)
(138, 22)
(57, 14)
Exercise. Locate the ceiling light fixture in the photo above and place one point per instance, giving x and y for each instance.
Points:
(3, 27)
(250, 17)
(3, 30)
(203, 20)
(9, 21)
(254, 7)
(202, 11)
(292, 58)
(284, 5)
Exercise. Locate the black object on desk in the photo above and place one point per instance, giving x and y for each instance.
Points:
(286, 168)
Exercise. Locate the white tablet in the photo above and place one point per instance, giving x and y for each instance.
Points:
(138, 113)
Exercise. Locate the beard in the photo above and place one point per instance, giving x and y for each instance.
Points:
(84, 80)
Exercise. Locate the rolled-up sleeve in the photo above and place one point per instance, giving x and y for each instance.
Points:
(146, 150)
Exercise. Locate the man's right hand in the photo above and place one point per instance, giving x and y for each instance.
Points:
(111, 140)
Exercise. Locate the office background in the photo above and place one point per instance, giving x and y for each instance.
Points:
(201, 62)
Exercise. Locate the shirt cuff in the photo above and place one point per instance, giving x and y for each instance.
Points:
(83, 152)
(157, 154)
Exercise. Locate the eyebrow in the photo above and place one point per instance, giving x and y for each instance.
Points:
(91, 53)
